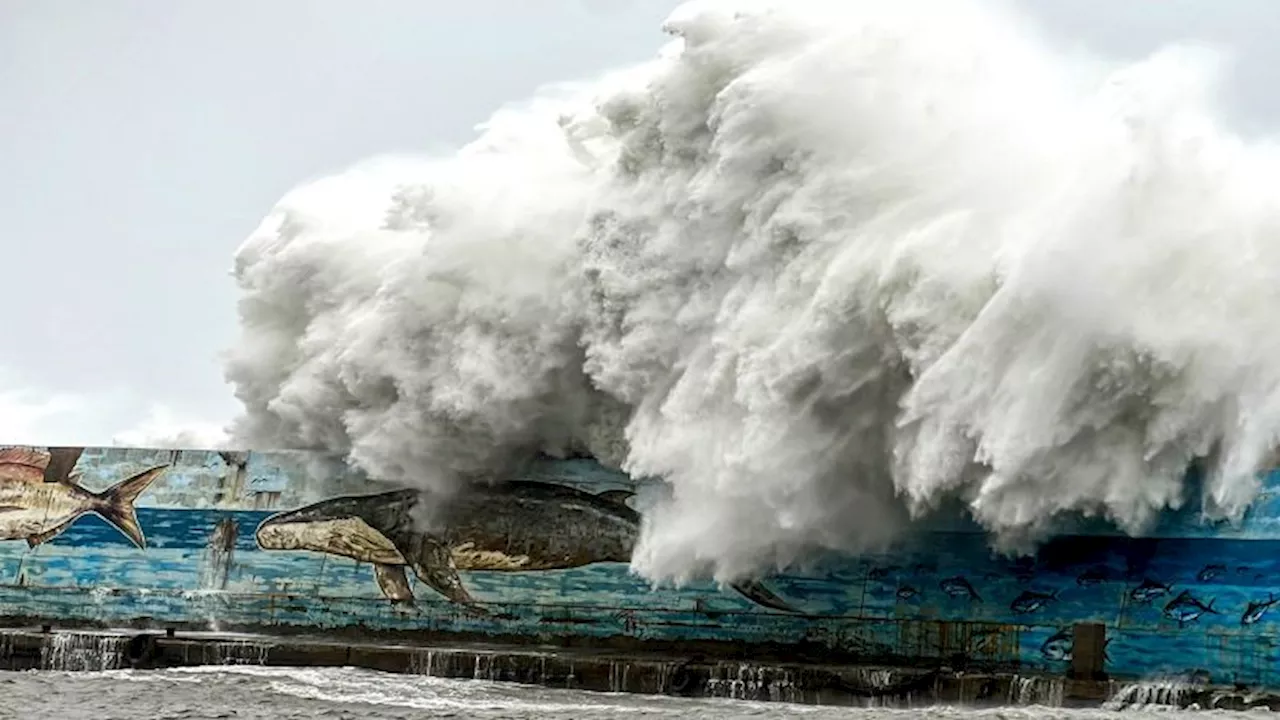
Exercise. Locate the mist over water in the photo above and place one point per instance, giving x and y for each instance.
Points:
(822, 266)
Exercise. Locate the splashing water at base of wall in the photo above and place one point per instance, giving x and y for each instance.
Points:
(1154, 692)
(1043, 691)
(84, 652)
(422, 662)
(238, 652)
(746, 681)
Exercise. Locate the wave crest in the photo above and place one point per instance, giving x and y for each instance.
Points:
(824, 267)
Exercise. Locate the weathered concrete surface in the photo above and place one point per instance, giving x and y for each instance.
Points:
(250, 543)
(955, 636)
(597, 670)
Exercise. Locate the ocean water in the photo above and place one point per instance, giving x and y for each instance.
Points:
(298, 693)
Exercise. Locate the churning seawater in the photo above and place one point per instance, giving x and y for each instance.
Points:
(297, 693)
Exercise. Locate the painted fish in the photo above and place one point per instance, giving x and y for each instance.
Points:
(906, 592)
(1094, 576)
(516, 526)
(1059, 646)
(1030, 601)
(1148, 591)
(1209, 572)
(959, 587)
(37, 506)
(1186, 608)
(1254, 612)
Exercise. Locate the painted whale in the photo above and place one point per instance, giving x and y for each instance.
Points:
(518, 526)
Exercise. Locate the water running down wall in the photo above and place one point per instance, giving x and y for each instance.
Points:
(216, 529)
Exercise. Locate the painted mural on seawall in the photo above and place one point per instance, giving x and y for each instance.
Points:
(250, 540)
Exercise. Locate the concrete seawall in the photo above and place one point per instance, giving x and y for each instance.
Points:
(602, 671)
(246, 542)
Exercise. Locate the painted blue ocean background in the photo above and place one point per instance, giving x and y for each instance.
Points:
(942, 596)
(92, 572)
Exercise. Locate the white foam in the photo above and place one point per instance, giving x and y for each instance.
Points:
(821, 265)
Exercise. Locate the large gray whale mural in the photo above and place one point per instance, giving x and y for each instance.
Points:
(517, 526)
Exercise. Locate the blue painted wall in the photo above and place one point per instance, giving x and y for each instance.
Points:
(1176, 601)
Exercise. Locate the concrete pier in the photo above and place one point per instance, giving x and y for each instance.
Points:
(603, 671)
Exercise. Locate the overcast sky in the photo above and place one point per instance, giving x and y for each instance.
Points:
(142, 140)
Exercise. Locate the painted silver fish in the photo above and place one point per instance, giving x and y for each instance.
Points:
(1059, 646)
(959, 587)
(1186, 608)
(1149, 590)
(37, 506)
(1030, 601)
(1256, 609)
(1209, 572)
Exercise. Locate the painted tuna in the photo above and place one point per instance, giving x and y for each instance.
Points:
(1148, 591)
(959, 587)
(1059, 646)
(1209, 572)
(1030, 601)
(1256, 609)
(516, 526)
(40, 499)
(1186, 608)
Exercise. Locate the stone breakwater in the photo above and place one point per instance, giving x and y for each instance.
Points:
(603, 671)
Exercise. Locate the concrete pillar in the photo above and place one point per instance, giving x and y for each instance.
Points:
(1088, 659)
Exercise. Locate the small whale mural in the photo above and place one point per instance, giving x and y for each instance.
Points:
(509, 527)
(907, 592)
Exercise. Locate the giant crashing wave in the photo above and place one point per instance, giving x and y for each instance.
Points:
(823, 267)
